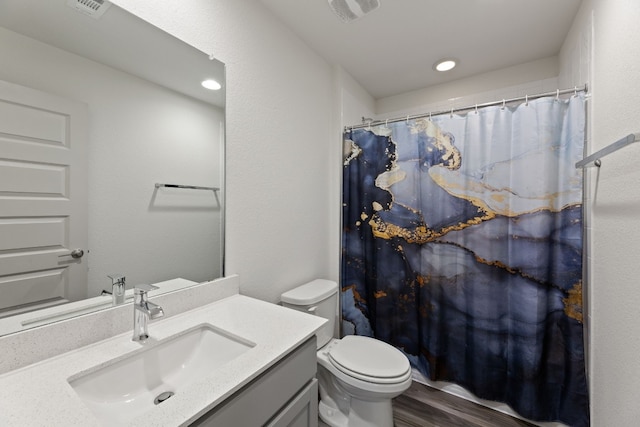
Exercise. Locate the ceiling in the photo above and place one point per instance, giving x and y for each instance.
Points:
(406, 37)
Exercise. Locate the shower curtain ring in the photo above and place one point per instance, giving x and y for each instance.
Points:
(451, 115)
(429, 115)
(557, 94)
(504, 103)
(526, 100)
(476, 108)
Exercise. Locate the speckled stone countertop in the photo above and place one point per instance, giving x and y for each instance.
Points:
(40, 394)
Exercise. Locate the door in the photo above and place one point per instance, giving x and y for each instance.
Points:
(43, 199)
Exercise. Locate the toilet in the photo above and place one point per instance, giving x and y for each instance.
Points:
(358, 376)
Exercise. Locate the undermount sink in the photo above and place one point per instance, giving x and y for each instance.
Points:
(135, 384)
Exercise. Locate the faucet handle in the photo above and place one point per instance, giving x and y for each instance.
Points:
(116, 279)
(144, 288)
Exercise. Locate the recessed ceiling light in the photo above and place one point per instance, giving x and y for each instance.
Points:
(211, 84)
(445, 65)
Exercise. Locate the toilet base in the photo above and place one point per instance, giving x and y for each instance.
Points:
(361, 414)
(332, 416)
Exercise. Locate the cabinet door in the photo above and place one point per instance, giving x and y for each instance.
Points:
(302, 411)
(262, 400)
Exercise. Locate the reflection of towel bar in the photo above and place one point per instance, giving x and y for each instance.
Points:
(187, 187)
(595, 157)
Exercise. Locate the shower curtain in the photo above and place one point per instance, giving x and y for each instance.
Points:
(462, 246)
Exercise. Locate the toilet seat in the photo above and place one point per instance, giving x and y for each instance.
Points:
(369, 359)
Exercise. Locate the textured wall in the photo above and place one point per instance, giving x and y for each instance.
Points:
(613, 200)
(279, 119)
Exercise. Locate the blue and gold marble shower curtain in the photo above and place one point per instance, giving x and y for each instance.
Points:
(462, 246)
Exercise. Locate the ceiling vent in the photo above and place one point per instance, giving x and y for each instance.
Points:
(350, 10)
(93, 8)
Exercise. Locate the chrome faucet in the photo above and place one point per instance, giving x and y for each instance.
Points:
(143, 311)
(117, 288)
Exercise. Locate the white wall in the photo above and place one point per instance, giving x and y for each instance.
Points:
(280, 97)
(355, 101)
(614, 202)
(140, 133)
(519, 80)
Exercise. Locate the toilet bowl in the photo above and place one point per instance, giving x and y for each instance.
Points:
(358, 376)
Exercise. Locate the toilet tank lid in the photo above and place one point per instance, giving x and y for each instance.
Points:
(310, 293)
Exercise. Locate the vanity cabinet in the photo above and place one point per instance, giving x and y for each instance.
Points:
(286, 395)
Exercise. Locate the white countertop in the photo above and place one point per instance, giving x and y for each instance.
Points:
(40, 395)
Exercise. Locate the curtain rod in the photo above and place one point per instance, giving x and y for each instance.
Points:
(525, 98)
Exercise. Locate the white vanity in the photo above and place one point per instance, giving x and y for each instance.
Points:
(236, 361)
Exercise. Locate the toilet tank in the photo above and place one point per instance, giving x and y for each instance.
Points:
(320, 298)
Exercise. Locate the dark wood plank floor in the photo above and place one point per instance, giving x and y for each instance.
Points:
(423, 406)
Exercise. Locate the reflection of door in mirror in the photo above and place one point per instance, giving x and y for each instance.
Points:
(42, 193)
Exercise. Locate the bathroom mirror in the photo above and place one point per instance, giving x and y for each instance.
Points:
(111, 159)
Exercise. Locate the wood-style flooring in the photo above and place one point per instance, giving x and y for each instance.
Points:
(423, 406)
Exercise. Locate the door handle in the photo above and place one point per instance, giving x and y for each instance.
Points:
(76, 253)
